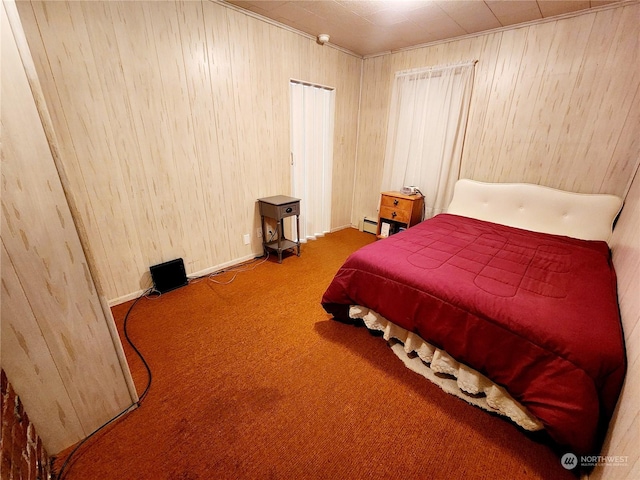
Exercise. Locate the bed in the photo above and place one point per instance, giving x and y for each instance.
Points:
(512, 295)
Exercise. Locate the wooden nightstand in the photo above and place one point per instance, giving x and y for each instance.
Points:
(399, 211)
(279, 207)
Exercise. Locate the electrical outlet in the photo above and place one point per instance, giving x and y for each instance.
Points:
(259, 232)
(247, 239)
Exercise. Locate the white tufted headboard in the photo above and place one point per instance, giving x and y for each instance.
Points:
(537, 208)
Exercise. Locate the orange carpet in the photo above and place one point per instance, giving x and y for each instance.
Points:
(253, 380)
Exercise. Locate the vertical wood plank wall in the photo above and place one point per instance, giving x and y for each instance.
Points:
(173, 118)
(554, 103)
(624, 434)
(56, 346)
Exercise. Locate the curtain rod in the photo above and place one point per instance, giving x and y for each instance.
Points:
(469, 63)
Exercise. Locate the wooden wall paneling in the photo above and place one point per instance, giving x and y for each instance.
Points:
(180, 162)
(462, 50)
(613, 100)
(39, 236)
(112, 87)
(282, 69)
(30, 15)
(608, 96)
(506, 73)
(409, 59)
(44, 251)
(227, 140)
(626, 153)
(248, 98)
(516, 127)
(585, 92)
(346, 118)
(30, 70)
(264, 154)
(350, 127)
(195, 51)
(318, 56)
(85, 111)
(151, 170)
(624, 432)
(487, 57)
(413, 59)
(304, 59)
(164, 123)
(376, 80)
(32, 369)
(403, 60)
(557, 82)
(621, 143)
(471, 49)
(141, 159)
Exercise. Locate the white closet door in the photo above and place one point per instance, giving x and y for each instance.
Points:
(312, 121)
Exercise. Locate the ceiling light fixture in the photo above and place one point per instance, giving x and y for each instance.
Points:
(323, 38)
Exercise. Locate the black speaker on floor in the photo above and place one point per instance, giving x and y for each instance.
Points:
(169, 275)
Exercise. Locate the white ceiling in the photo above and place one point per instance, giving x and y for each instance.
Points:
(367, 27)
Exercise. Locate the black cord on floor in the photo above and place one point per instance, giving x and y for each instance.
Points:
(130, 342)
(424, 212)
(140, 398)
(146, 293)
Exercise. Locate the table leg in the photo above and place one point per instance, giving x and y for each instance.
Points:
(298, 234)
(280, 233)
(264, 236)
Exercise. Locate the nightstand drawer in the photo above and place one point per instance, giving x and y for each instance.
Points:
(396, 203)
(280, 211)
(289, 209)
(394, 213)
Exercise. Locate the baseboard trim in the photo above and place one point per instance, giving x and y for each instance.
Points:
(132, 296)
(337, 229)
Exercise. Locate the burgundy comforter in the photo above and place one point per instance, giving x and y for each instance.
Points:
(536, 313)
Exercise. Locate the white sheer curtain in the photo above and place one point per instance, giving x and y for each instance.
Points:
(427, 123)
(312, 121)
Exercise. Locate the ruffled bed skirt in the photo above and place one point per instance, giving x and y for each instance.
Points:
(458, 379)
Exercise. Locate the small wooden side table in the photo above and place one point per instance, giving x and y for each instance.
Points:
(399, 211)
(280, 207)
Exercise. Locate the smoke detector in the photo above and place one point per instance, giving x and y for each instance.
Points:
(323, 38)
